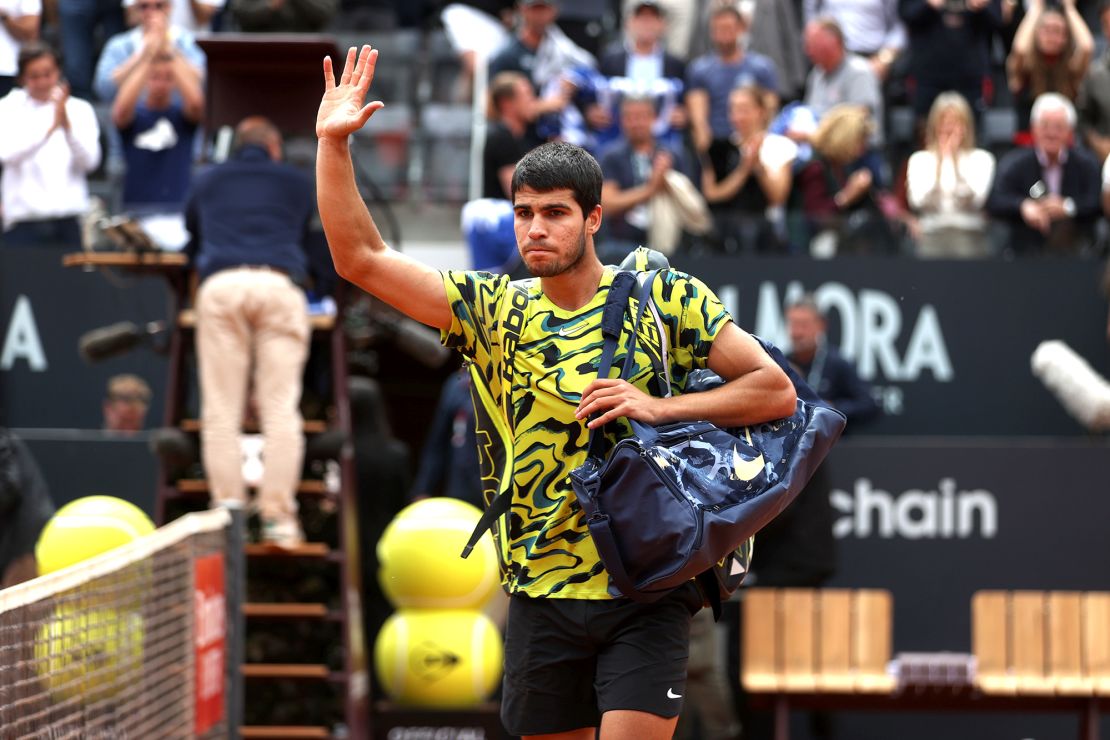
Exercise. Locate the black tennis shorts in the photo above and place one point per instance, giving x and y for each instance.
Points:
(568, 661)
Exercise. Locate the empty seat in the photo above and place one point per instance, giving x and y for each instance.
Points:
(382, 149)
(446, 161)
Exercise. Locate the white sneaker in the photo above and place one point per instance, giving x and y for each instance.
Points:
(285, 533)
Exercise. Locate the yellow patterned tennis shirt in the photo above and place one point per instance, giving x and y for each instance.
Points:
(544, 545)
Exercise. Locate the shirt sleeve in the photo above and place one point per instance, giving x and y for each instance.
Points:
(115, 53)
(28, 7)
(979, 175)
(862, 88)
(18, 142)
(895, 37)
(83, 135)
(777, 152)
(475, 300)
(920, 177)
(767, 75)
(695, 77)
(192, 51)
(695, 316)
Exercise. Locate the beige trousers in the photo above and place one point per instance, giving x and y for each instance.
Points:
(252, 327)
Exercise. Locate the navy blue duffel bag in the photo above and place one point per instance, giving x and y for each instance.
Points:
(680, 501)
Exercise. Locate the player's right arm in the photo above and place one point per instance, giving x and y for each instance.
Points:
(357, 248)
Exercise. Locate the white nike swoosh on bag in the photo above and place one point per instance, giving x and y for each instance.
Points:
(746, 469)
(672, 695)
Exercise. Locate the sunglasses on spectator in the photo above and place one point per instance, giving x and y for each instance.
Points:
(150, 6)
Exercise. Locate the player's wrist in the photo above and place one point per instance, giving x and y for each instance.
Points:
(329, 141)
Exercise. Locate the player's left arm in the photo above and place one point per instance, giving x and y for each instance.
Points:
(756, 390)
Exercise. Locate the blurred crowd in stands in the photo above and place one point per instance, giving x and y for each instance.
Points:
(937, 128)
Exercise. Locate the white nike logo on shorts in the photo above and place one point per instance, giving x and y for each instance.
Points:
(672, 695)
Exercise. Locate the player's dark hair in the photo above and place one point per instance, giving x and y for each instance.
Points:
(557, 165)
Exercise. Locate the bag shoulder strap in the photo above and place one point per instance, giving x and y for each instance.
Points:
(612, 322)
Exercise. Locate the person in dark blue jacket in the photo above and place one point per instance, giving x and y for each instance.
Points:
(248, 219)
(821, 364)
(798, 549)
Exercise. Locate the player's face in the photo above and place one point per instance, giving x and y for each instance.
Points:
(551, 230)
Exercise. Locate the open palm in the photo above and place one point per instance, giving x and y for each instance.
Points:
(341, 109)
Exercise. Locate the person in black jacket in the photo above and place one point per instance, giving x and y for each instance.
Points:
(645, 27)
(833, 378)
(25, 508)
(798, 549)
(949, 45)
(1048, 194)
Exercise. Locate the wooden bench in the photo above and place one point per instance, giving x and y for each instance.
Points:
(1042, 643)
(829, 649)
(803, 640)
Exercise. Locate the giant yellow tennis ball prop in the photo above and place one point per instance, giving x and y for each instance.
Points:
(439, 659)
(86, 527)
(90, 654)
(419, 557)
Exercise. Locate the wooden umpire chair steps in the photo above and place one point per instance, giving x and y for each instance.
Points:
(350, 680)
(1042, 643)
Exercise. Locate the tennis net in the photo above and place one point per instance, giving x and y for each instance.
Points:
(129, 644)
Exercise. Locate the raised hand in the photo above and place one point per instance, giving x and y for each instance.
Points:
(341, 109)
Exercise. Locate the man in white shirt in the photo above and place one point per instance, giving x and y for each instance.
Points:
(50, 142)
(19, 23)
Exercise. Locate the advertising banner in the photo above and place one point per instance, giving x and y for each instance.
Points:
(209, 640)
(946, 345)
(935, 520)
(44, 310)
